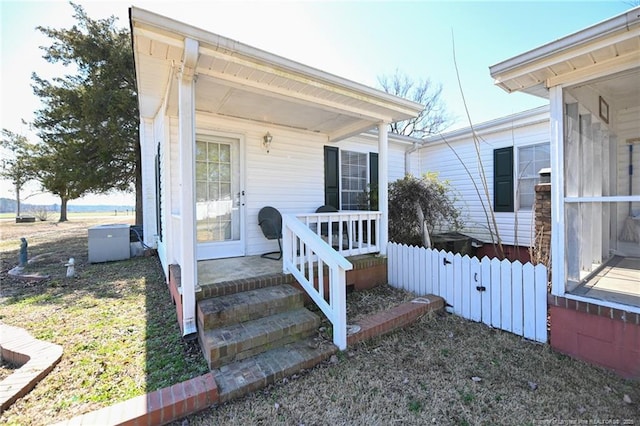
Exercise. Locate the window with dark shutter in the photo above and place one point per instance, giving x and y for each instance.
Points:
(331, 177)
(503, 180)
(373, 181)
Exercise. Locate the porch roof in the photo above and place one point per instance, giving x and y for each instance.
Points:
(609, 47)
(239, 81)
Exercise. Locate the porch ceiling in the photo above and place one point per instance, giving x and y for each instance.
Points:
(236, 80)
(609, 47)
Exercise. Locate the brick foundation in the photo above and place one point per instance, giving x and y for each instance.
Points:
(603, 336)
(512, 253)
(367, 272)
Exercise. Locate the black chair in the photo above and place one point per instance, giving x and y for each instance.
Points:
(270, 221)
(324, 227)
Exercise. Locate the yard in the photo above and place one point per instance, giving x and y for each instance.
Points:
(120, 338)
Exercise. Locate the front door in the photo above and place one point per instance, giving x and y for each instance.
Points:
(219, 197)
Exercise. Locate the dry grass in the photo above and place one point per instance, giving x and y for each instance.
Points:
(115, 322)
(120, 337)
(423, 375)
(6, 369)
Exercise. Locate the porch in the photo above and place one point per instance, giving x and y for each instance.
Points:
(618, 281)
(368, 271)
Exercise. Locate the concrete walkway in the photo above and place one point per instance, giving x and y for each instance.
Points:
(35, 359)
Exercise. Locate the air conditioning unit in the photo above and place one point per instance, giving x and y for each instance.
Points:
(108, 243)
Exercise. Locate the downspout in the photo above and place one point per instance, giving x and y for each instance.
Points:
(186, 131)
(407, 159)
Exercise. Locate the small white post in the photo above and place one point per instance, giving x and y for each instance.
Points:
(339, 306)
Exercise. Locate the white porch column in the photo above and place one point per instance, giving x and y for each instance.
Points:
(186, 131)
(148, 182)
(558, 264)
(383, 186)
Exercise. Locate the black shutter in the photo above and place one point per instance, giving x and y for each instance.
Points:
(158, 195)
(503, 179)
(373, 181)
(331, 177)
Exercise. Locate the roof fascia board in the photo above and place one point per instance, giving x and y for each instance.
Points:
(559, 57)
(622, 22)
(234, 48)
(612, 66)
(300, 78)
(353, 129)
(525, 118)
(392, 137)
(284, 94)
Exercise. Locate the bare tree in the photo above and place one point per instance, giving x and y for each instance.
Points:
(434, 116)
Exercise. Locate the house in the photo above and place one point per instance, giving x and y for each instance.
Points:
(512, 151)
(588, 135)
(227, 129)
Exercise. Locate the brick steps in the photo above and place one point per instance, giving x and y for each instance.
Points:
(236, 286)
(239, 378)
(238, 341)
(234, 380)
(247, 306)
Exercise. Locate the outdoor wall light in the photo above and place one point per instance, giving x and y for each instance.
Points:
(267, 141)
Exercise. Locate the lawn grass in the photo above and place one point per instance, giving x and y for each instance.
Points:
(120, 337)
(115, 322)
(443, 370)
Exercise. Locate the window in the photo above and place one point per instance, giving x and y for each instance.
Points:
(353, 179)
(530, 160)
(214, 200)
(347, 175)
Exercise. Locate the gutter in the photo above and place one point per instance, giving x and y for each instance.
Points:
(231, 47)
(407, 161)
(622, 22)
(493, 126)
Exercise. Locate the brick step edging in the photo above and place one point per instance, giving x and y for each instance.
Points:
(197, 394)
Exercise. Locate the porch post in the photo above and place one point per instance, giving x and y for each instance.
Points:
(147, 152)
(558, 264)
(383, 186)
(186, 131)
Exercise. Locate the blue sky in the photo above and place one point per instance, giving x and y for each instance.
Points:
(356, 40)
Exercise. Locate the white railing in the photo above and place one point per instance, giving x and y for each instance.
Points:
(502, 294)
(305, 255)
(348, 232)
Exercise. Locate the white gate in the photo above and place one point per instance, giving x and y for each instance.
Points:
(502, 294)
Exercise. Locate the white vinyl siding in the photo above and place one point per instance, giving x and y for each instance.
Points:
(290, 177)
(464, 173)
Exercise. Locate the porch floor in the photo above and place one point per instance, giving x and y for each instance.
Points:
(236, 268)
(618, 281)
(216, 271)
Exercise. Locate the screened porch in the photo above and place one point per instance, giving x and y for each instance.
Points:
(601, 200)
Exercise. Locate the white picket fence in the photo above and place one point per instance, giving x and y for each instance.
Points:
(502, 294)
